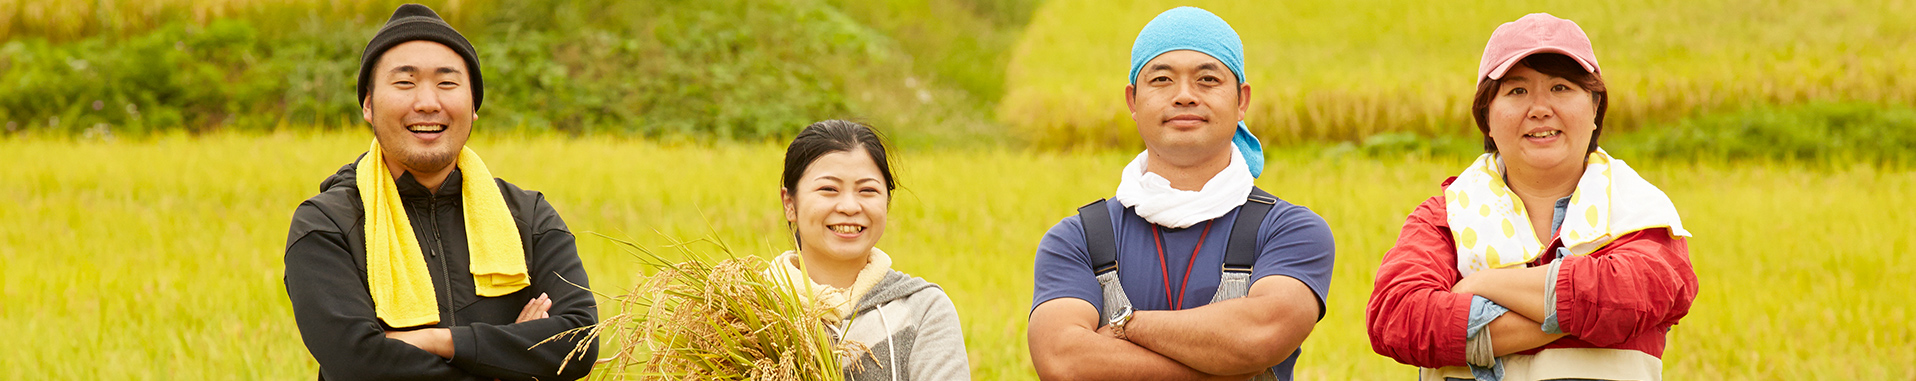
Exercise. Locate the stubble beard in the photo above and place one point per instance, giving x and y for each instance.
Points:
(415, 158)
(426, 160)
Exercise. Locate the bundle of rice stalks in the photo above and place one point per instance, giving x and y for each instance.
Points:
(701, 319)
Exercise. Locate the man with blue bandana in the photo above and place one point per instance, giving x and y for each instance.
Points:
(1189, 271)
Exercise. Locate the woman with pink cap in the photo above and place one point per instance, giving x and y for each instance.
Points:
(1547, 258)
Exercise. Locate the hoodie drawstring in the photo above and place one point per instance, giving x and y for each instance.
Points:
(893, 346)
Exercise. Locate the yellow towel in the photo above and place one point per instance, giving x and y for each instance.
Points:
(396, 274)
(840, 300)
(1492, 229)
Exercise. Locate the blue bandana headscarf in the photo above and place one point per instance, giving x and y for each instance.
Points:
(1187, 28)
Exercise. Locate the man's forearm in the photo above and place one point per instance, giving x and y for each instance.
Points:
(1091, 356)
(1231, 337)
(1066, 346)
(515, 351)
(437, 341)
(1235, 336)
(337, 322)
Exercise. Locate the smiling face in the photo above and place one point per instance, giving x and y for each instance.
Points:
(838, 206)
(1541, 121)
(419, 106)
(1187, 105)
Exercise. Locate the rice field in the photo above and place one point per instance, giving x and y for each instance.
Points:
(69, 20)
(1345, 70)
(161, 259)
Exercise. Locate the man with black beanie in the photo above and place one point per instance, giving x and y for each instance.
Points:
(414, 262)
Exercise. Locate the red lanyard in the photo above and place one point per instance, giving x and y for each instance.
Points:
(1164, 267)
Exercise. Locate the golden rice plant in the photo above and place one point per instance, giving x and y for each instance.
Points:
(1344, 71)
(711, 317)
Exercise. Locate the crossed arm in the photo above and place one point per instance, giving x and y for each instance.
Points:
(1230, 340)
(338, 323)
(1635, 285)
(438, 341)
(1419, 306)
(1522, 291)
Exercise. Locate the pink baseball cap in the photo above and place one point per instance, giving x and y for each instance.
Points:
(1534, 33)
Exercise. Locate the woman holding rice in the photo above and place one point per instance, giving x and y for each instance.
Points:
(836, 189)
(1547, 258)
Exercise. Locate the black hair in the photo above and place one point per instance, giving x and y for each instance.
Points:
(1551, 64)
(830, 136)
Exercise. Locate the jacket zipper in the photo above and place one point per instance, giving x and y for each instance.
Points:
(432, 203)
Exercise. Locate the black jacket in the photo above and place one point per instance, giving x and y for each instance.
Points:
(326, 280)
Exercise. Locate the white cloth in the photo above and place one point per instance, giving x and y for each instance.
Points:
(839, 300)
(1161, 204)
(1492, 229)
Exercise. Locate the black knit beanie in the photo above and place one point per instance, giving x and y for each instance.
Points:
(414, 22)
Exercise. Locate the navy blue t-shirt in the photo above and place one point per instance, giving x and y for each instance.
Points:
(1292, 242)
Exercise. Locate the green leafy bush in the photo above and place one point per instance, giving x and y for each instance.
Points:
(718, 69)
(1821, 131)
(178, 76)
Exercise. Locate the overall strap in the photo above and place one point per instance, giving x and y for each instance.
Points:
(1240, 254)
(1100, 238)
(1101, 242)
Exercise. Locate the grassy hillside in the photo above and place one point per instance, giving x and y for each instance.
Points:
(1344, 71)
(162, 259)
(701, 70)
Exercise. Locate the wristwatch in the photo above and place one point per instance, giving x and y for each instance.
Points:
(1119, 320)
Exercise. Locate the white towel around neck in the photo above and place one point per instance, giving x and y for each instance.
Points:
(1161, 204)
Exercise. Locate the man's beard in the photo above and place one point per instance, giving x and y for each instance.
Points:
(416, 158)
(423, 160)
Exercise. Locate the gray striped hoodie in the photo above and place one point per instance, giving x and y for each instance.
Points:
(911, 330)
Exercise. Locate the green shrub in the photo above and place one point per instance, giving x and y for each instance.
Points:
(179, 76)
(718, 69)
(1815, 131)
(1825, 132)
(1399, 144)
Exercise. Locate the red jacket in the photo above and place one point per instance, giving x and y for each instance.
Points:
(1624, 296)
